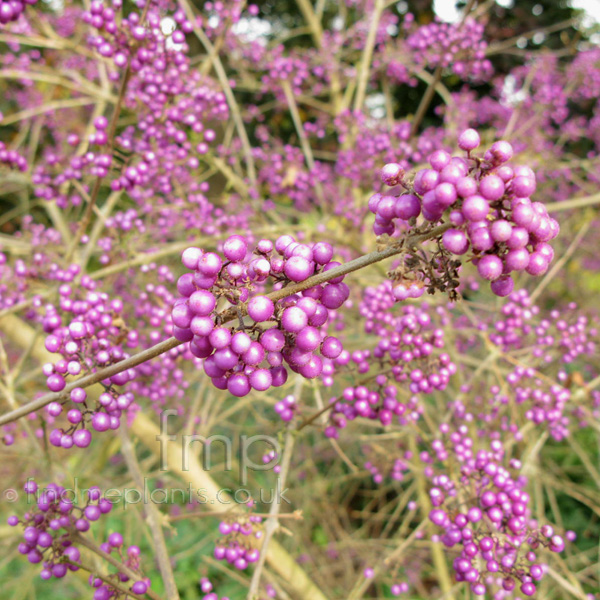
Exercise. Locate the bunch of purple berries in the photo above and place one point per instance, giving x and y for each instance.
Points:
(487, 203)
(92, 340)
(286, 408)
(485, 514)
(11, 158)
(125, 39)
(11, 10)
(206, 587)
(407, 351)
(452, 45)
(130, 559)
(242, 541)
(560, 342)
(413, 338)
(253, 355)
(47, 535)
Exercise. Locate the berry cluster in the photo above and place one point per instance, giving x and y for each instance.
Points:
(273, 457)
(47, 533)
(163, 155)
(120, 39)
(11, 10)
(407, 352)
(49, 530)
(11, 158)
(19, 280)
(560, 341)
(252, 356)
(488, 204)
(286, 409)
(485, 514)
(242, 540)
(131, 559)
(92, 340)
(412, 338)
(456, 45)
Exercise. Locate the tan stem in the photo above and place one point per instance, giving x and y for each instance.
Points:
(272, 522)
(153, 518)
(364, 69)
(224, 81)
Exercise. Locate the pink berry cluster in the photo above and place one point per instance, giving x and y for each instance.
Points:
(484, 514)
(560, 341)
(206, 587)
(129, 558)
(11, 158)
(384, 464)
(19, 279)
(272, 456)
(125, 39)
(48, 527)
(286, 409)
(408, 351)
(253, 355)
(412, 339)
(459, 46)
(49, 177)
(91, 340)
(11, 10)
(241, 543)
(487, 203)
(164, 153)
(287, 68)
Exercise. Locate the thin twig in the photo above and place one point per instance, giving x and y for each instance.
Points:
(272, 522)
(87, 543)
(84, 87)
(112, 128)
(110, 582)
(560, 263)
(306, 149)
(45, 108)
(504, 45)
(153, 518)
(224, 81)
(437, 75)
(367, 56)
(313, 19)
(91, 379)
(573, 203)
(524, 92)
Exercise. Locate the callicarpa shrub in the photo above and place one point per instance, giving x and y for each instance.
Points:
(299, 300)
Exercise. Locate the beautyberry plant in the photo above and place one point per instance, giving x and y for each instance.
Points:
(298, 300)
